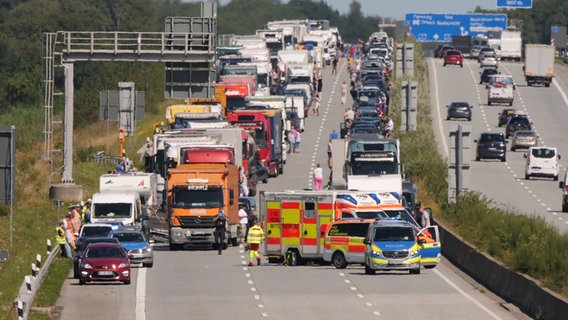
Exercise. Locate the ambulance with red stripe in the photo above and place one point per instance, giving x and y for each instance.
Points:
(296, 221)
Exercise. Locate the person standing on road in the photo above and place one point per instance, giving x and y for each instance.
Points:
(291, 141)
(254, 238)
(318, 177)
(317, 107)
(243, 221)
(61, 240)
(220, 230)
(424, 217)
(297, 140)
(344, 93)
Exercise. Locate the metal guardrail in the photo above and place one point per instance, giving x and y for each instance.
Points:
(31, 284)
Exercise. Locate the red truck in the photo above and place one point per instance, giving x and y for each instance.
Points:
(266, 126)
(237, 87)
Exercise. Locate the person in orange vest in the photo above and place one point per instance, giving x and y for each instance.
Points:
(254, 238)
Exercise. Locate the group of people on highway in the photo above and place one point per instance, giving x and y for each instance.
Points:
(68, 229)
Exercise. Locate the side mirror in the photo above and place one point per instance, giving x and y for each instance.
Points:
(487, 86)
(559, 157)
(475, 141)
(525, 155)
(421, 241)
(561, 184)
(367, 241)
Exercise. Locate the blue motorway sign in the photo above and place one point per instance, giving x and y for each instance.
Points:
(515, 3)
(436, 27)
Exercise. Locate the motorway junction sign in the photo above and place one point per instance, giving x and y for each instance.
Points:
(428, 27)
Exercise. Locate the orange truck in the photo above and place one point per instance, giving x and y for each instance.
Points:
(196, 194)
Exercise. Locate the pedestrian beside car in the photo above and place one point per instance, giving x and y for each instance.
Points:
(424, 217)
(334, 65)
(61, 240)
(75, 221)
(69, 233)
(243, 223)
(254, 238)
(318, 177)
(317, 107)
(87, 213)
(220, 230)
(330, 154)
(291, 141)
(297, 140)
(334, 134)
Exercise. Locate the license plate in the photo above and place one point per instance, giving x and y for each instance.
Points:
(395, 262)
(106, 273)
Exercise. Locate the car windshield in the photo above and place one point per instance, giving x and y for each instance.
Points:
(96, 231)
(524, 134)
(129, 236)
(543, 153)
(460, 105)
(104, 252)
(394, 234)
(491, 138)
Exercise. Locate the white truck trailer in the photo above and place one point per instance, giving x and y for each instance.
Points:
(539, 64)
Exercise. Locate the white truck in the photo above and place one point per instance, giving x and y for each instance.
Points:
(122, 208)
(367, 163)
(511, 45)
(295, 111)
(286, 57)
(539, 64)
(500, 89)
(145, 184)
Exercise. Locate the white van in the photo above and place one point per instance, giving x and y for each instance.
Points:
(542, 162)
(123, 208)
(145, 184)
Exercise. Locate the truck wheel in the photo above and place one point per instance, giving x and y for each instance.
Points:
(174, 247)
(564, 208)
(339, 261)
(488, 102)
(547, 84)
(234, 242)
(511, 103)
(415, 271)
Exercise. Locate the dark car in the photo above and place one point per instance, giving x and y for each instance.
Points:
(81, 249)
(491, 145)
(104, 262)
(453, 57)
(438, 50)
(517, 122)
(505, 115)
(486, 73)
(459, 110)
(445, 49)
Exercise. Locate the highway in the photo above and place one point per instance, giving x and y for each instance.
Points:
(205, 285)
(504, 182)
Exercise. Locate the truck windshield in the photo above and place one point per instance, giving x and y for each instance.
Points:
(394, 234)
(111, 210)
(210, 198)
(374, 168)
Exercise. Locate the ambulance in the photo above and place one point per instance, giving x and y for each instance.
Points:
(295, 221)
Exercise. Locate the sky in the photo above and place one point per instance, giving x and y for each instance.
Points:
(397, 9)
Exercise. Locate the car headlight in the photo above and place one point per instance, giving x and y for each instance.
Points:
(413, 253)
(377, 253)
(122, 265)
(86, 266)
(147, 249)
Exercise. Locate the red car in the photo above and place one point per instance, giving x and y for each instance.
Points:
(453, 57)
(104, 262)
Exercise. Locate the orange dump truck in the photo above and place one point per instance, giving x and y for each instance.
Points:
(196, 194)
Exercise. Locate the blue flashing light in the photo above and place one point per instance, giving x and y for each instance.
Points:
(375, 197)
(396, 195)
(347, 197)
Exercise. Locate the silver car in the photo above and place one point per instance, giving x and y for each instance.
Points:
(488, 60)
(524, 139)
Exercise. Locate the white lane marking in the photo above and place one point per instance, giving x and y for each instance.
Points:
(437, 107)
(470, 298)
(141, 294)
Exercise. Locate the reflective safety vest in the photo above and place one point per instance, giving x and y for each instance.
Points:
(255, 235)
(60, 236)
